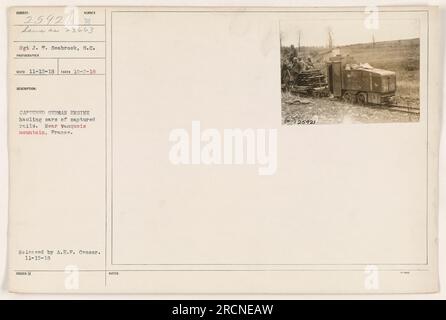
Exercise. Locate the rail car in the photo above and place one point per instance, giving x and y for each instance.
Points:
(358, 83)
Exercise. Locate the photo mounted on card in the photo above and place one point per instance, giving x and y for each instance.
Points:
(223, 150)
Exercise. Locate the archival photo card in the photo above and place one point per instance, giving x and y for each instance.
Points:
(223, 150)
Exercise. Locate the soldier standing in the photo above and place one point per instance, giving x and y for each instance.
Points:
(293, 54)
(296, 68)
(309, 64)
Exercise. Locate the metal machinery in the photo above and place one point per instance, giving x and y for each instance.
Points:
(358, 83)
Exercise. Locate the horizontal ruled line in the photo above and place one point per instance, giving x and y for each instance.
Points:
(59, 58)
(224, 270)
(59, 25)
(58, 41)
(68, 74)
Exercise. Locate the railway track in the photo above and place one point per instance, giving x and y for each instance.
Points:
(395, 107)
(389, 107)
(404, 109)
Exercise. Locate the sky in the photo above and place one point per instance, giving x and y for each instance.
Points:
(314, 32)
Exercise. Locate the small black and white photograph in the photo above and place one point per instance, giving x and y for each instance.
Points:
(343, 71)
